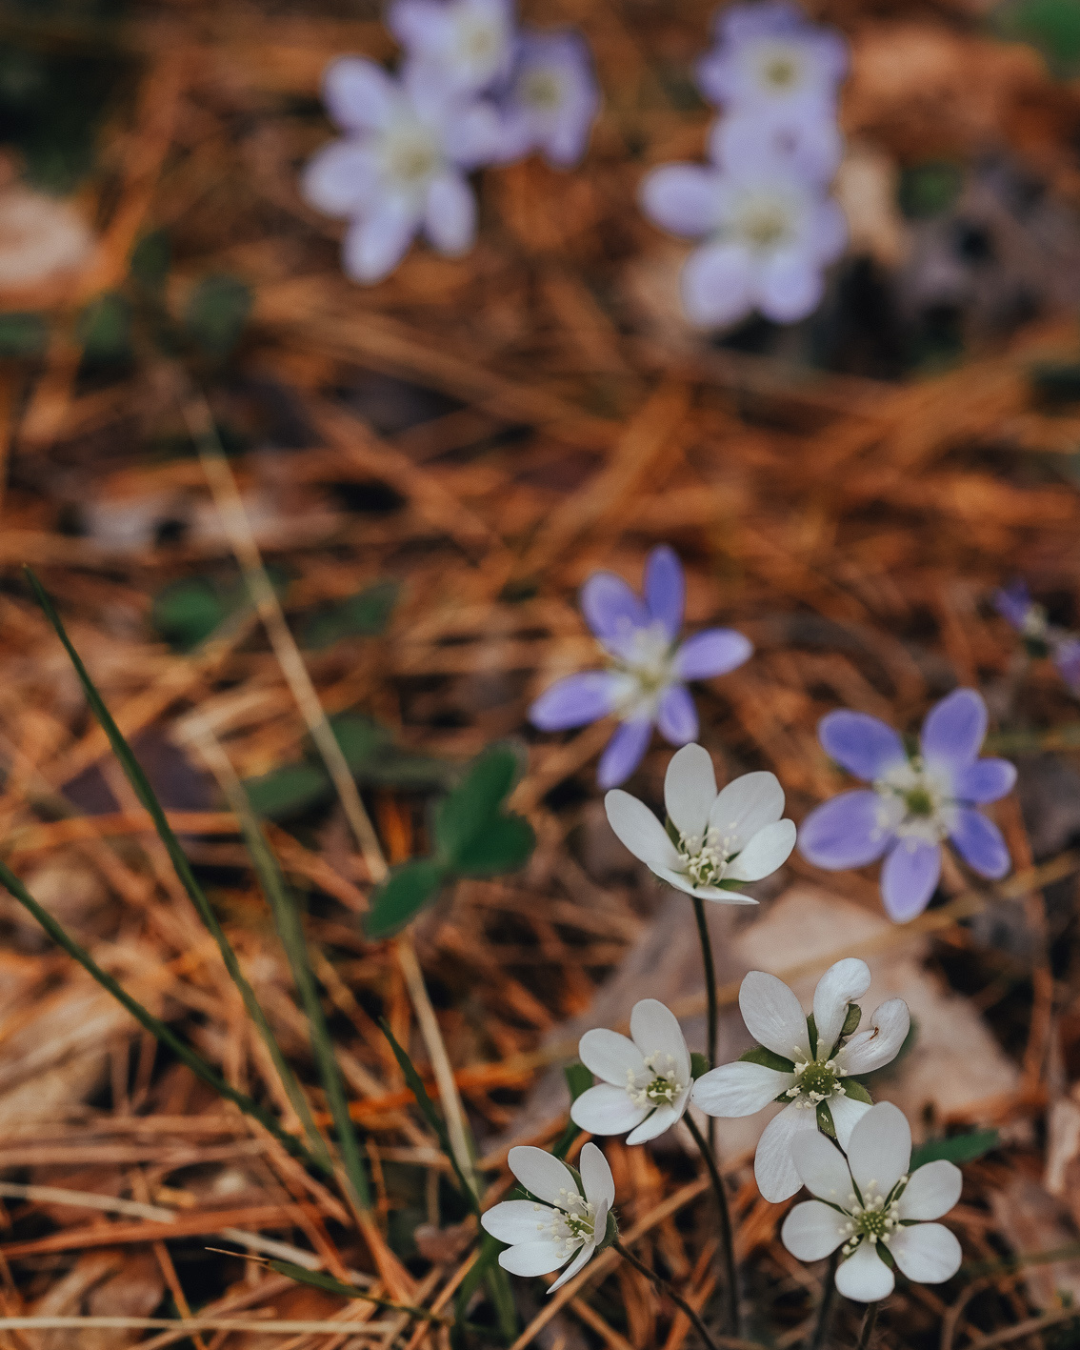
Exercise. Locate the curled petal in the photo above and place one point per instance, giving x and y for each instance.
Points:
(984, 781)
(690, 789)
(540, 1173)
(676, 716)
(774, 1167)
(639, 830)
(864, 745)
(864, 1276)
(879, 1150)
(880, 1042)
(823, 1170)
(910, 877)
(596, 1176)
(624, 753)
(661, 1119)
(927, 1253)
(845, 832)
(606, 1109)
(841, 984)
(665, 589)
(932, 1191)
(812, 1230)
(712, 652)
(739, 1089)
(768, 850)
(774, 1016)
(611, 1056)
(656, 1031)
(954, 729)
(980, 844)
(575, 701)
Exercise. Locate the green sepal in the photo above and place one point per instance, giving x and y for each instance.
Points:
(857, 1091)
(771, 1060)
(825, 1120)
(730, 885)
(611, 1232)
(699, 1064)
(811, 1031)
(851, 1021)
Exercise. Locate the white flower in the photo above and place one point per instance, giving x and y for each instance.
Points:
(647, 1080)
(870, 1202)
(806, 1068)
(734, 836)
(565, 1218)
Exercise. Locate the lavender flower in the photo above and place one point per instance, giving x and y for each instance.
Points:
(768, 56)
(645, 683)
(915, 802)
(807, 148)
(466, 45)
(769, 234)
(1041, 637)
(401, 164)
(551, 99)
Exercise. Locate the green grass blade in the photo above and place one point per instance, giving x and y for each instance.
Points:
(431, 1115)
(195, 1062)
(291, 931)
(318, 1280)
(145, 793)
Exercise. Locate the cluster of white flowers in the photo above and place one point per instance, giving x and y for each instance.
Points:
(761, 205)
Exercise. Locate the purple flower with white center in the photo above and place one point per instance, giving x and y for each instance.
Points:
(915, 802)
(808, 148)
(767, 55)
(401, 165)
(645, 683)
(551, 100)
(769, 234)
(1041, 638)
(465, 45)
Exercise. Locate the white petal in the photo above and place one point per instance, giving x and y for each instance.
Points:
(532, 1258)
(864, 1276)
(582, 1258)
(656, 1030)
(596, 1176)
(747, 805)
(846, 1113)
(516, 1221)
(769, 849)
(822, 1168)
(611, 1056)
(639, 830)
(880, 1042)
(932, 1191)
(541, 1174)
(774, 1166)
(879, 1150)
(739, 1089)
(606, 1109)
(714, 893)
(841, 984)
(928, 1253)
(661, 1119)
(813, 1230)
(690, 789)
(773, 1015)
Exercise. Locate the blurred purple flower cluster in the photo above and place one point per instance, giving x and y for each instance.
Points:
(473, 90)
(761, 205)
(1041, 637)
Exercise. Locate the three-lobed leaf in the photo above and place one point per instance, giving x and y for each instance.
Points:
(467, 811)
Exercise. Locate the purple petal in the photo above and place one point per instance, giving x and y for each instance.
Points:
(450, 216)
(789, 287)
(979, 843)
(954, 729)
(359, 95)
(623, 753)
(1067, 660)
(712, 652)
(677, 718)
(844, 832)
(1013, 603)
(375, 245)
(341, 179)
(909, 878)
(610, 607)
(682, 198)
(717, 285)
(862, 744)
(665, 589)
(984, 781)
(574, 701)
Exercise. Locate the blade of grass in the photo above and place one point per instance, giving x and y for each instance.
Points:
(195, 1062)
(331, 1286)
(141, 785)
(291, 932)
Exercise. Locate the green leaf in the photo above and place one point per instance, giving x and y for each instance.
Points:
(188, 611)
(929, 189)
(410, 886)
(857, 1092)
(104, 328)
(1051, 25)
(151, 259)
(289, 791)
(216, 313)
(365, 614)
(360, 739)
(318, 1280)
(430, 1114)
(699, 1064)
(958, 1148)
(468, 810)
(759, 1055)
(23, 334)
(504, 846)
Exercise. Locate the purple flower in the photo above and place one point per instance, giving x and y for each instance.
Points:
(466, 45)
(915, 802)
(1016, 607)
(401, 164)
(767, 55)
(1041, 637)
(769, 235)
(1066, 656)
(808, 148)
(551, 99)
(645, 682)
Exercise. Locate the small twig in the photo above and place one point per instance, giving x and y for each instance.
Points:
(828, 1299)
(665, 1288)
(869, 1323)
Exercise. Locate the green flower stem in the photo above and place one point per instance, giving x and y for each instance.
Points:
(869, 1323)
(828, 1300)
(727, 1235)
(710, 979)
(665, 1288)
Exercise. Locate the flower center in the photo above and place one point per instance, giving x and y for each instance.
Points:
(411, 156)
(643, 657)
(781, 72)
(762, 220)
(570, 1223)
(659, 1085)
(915, 802)
(540, 89)
(704, 860)
(876, 1220)
(817, 1080)
(479, 41)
